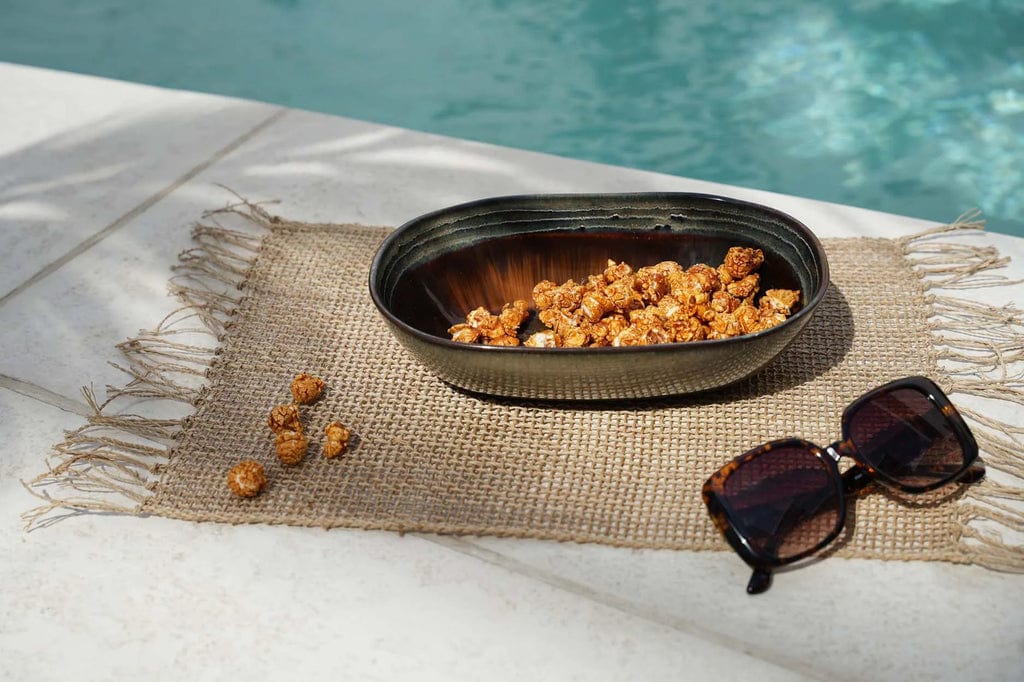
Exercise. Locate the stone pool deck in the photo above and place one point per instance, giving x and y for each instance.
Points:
(99, 185)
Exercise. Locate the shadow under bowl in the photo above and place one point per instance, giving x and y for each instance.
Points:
(434, 269)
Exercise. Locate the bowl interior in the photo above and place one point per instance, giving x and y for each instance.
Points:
(436, 269)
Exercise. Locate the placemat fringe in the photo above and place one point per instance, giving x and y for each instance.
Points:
(116, 459)
(978, 345)
(105, 458)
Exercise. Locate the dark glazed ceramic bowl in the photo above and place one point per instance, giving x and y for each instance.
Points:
(431, 271)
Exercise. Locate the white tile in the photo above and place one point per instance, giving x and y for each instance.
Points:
(836, 619)
(60, 334)
(122, 598)
(97, 149)
(332, 169)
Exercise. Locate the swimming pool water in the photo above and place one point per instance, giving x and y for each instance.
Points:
(913, 106)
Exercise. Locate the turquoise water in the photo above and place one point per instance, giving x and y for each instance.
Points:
(913, 107)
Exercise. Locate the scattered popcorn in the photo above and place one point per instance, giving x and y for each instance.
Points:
(291, 447)
(247, 478)
(337, 439)
(284, 418)
(306, 388)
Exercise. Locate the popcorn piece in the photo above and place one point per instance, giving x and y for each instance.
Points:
(669, 307)
(291, 447)
(595, 283)
(502, 341)
(651, 283)
(723, 302)
(776, 305)
(494, 330)
(463, 333)
(480, 318)
(686, 329)
(706, 278)
(725, 275)
(487, 325)
(556, 319)
(740, 262)
(624, 295)
(645, 328)
(543, 339)
(603, 333)
(704, 312)
(542, 294)
(667, 267)
(642, 334)
(595, 305)
(779, 300)
(616, 271)
(337, 439)
(284, 418)
(575, 337)
(513, 315)
(568, 296)
(247, 478)
(547, 295)
(744, 288)
(723, 326)
(749, 318)
(687, 288)
(306, 388)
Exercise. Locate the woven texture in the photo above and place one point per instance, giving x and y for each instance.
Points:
(428, 458)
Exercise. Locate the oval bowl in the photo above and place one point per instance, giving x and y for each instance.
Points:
(431, 271)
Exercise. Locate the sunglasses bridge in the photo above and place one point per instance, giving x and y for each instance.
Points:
(859, 476)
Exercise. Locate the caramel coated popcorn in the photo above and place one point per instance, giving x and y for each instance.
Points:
(286, 422)
(337, 439)
(284, 418)
(661, 303)
(291, 446)
(493, 330)
(306, 388)
(247, 478)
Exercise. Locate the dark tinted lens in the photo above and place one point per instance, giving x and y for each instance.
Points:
(905, 436)
(784, 502)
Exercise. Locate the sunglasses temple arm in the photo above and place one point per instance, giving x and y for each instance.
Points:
(760, 581)
(856, 478)
(974, 473)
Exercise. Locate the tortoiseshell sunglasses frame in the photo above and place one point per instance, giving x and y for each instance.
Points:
(854, 479)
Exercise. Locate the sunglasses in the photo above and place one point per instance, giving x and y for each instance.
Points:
(786, 500)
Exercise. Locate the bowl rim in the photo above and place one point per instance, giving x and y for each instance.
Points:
(797, 317)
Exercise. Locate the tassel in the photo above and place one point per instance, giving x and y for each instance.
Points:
(116, 458)
(978, 347)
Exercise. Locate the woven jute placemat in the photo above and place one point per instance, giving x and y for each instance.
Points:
(426, 457)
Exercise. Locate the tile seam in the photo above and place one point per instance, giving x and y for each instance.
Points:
(35, 392)
(141, 208)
